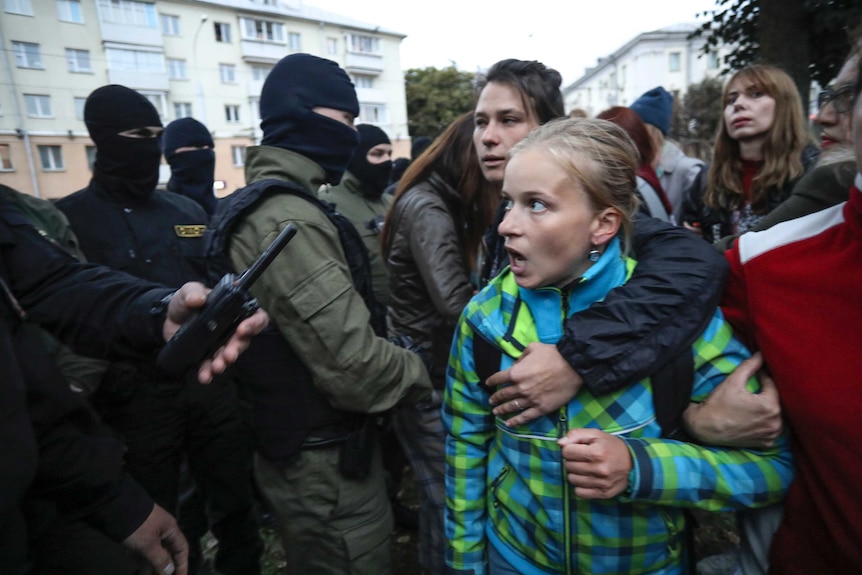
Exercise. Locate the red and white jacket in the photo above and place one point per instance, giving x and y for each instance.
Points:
(795, 292)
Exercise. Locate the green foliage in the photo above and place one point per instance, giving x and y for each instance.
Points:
(435, 97)
(696, 118)
(825, 25)
(699, 115)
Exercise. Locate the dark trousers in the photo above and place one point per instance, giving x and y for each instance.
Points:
(162, 423)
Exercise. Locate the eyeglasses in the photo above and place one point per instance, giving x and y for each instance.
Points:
(841, 99)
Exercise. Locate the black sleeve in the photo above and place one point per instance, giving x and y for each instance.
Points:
(80, 465)
(97, 311)
(662, 309)
(692, 199)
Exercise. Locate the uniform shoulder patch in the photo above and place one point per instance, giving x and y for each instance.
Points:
(190, 230)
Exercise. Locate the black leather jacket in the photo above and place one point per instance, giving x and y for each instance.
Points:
(429, 278)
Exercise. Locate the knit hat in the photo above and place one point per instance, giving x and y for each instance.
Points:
(192, 171)
(419, 145)
(124, 167)
(296, 85)
(374, 177)
(185, 132)
(112, 109)
(655, 107)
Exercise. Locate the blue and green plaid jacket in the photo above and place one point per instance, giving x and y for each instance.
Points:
(508, 487)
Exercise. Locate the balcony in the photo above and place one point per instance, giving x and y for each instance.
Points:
(372, 95)
(264, 52)
(254, 88)
(126, 34)
(138, 80)
(364, 62)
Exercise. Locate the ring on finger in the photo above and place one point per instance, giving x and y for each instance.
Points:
(518, 405)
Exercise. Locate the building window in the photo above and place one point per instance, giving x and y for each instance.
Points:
(262, 30)
(222, 32)
(238, 155)
(231, 112)
(255, 109)
(365, 44)
(22, 7)
(5, 158)
(78, 61)
(259, 73)
(70, 11)
(91, 156)
(332, 46)
(227, 73)
(294, 41)
(128, 12)
(135, 60)
(182, 110)
(176, 69)
(363, 81)
(38, 106)
(157, 99)
(373, 114)
(51, 158)
(27, 55)
(712, 60)
(674, 62)
(170, 24)
(79, 107)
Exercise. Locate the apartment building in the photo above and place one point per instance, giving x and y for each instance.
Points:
(198, 58)
(664, 57)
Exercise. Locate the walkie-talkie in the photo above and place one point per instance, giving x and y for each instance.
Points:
(227, 305)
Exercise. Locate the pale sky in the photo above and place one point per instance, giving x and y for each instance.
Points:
(568, 35)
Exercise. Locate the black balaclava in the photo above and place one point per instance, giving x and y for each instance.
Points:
(191, 171)
(374, 177)
(295, 85)
(125, 167)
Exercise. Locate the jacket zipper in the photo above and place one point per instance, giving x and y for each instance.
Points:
(563, 428)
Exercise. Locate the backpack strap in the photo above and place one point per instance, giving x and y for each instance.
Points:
(358, 260)
(486, 358)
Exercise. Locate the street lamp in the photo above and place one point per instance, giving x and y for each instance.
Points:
(199, 87)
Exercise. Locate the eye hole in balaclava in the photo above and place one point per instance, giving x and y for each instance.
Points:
(295, 86)
(373, 176)
(125, 166)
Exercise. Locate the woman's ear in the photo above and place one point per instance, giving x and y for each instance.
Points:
(606, 224)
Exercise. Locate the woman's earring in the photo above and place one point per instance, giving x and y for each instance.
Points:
(594, 254)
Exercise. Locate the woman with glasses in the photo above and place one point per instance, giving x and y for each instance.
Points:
(761, 151)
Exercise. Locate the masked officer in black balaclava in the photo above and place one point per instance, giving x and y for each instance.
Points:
(323, 368)
(359, 197)
(188, 148)
(123, 223)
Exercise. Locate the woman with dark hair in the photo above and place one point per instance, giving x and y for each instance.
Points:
(430, 242)
(654, 201)
(515, 96)
(761, 150)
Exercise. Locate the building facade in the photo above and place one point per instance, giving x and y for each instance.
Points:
(664, 57)
(204, 59)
